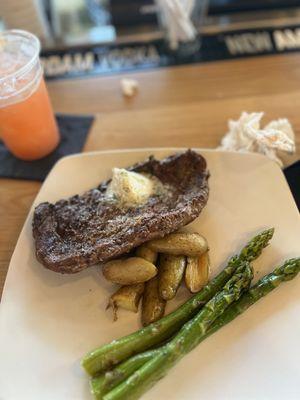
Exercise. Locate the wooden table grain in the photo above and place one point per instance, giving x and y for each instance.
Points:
(181, 106)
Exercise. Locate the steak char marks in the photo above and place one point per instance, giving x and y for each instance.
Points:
(87, 229)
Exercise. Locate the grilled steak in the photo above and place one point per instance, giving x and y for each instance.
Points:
(86, 229)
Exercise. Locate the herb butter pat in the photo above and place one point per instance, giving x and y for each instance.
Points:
(131, 188)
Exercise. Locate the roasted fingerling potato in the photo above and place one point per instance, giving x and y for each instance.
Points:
(197, 272)
(129, 271)
(153, 306)
(146, 253)
(188, 244)
(155, 272)
(126, 297)
(170, 273)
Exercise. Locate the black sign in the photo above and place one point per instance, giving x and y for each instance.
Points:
(114, 58)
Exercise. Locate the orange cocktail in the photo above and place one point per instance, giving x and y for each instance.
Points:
(27, 124)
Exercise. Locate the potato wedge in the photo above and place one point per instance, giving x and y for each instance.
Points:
(197, 272)
(146, 253)
(153, 306)
(188, 244)
(129, 271)
(127, 297)
(170, 273)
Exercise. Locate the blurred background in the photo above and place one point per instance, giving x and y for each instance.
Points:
(82, 37)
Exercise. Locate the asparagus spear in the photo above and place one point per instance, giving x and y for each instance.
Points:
(286, 272)
(186, 339)
(108, 380)
(265, 285)
(105, 357)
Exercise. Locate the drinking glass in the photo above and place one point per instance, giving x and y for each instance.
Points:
(181, 22)
(27, 124)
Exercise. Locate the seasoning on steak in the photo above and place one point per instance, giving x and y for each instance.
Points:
(86, 229)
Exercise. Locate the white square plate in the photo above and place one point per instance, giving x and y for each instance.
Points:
(49, 321)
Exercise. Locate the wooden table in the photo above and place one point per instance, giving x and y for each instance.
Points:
(180, 106)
